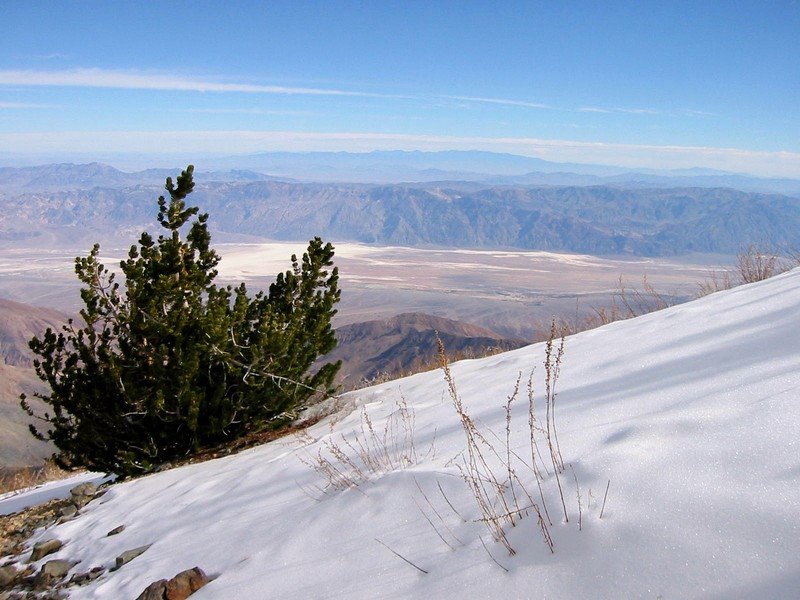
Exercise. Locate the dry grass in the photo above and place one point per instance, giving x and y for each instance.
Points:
(350, 460)
(492, 470)
(627, 302)
(12, 480)
(755, 262)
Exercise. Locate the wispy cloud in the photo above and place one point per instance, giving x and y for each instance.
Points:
(594, 109)
(685, 112)
(24, 105)
(103, 78)
(697, 113)
(50, 56)
(629, 111)
(249, 111)
(765, 163)
(501, 101)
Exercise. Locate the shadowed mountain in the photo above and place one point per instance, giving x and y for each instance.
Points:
(407, 343)
(596, 220)
(18, 324)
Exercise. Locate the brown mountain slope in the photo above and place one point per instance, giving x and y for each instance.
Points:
(18, 324)
(406, 343)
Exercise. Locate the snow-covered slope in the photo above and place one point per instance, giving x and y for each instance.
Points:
(692, 414)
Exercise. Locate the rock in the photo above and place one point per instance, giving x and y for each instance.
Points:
(91, 575)
(57, 568)
(84, 489)
(129, 555)
(7, 575)
(82, 494)
(155, 591)
(186, 583)
(180, 587)
(68, 511)
(42, 549)
(116, 530)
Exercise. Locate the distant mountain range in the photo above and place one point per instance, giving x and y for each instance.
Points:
(385, 167)
(63, 177)
(600, 220)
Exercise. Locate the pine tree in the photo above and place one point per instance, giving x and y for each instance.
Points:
(169, 363)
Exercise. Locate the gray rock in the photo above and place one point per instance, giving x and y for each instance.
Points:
(7, 575)
(129, 555)
(68, 511)
(42, 549)
(82, 494)
(57, 568)
(91, 575)
(84, 489)
(116, 530)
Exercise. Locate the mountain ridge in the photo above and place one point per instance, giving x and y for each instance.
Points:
(599, 220)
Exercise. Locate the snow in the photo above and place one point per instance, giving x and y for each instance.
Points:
(691, 413)
(13, 502)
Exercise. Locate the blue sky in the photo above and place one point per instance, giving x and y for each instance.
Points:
(653, 84)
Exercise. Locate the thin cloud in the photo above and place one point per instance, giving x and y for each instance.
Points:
(501, 101)
(686, 112)
(24, 105)
(102, 78)
(249, 111)
(698, 113)
(629, 111)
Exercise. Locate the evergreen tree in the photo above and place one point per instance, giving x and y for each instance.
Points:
(169, 363)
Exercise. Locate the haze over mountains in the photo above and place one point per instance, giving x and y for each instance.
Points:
(377, 167)
(601, 220)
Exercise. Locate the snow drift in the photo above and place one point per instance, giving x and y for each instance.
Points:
(691, 413)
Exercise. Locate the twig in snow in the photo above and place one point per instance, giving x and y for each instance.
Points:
(604, 498)
(398, 555)
(490, 555)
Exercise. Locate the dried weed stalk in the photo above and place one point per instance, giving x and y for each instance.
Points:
(349, 460)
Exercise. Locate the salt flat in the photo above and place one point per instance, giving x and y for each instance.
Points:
(508, 291)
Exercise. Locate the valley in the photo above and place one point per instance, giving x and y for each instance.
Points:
(510, 292)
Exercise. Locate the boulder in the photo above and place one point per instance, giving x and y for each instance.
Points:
(155, 591)
(7, 575)
(129, 555)
(180, 587)
(57, 568)
(82, 494)
(186, 583)
(42, 549)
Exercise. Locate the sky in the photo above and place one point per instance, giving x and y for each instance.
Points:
(649, 84)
